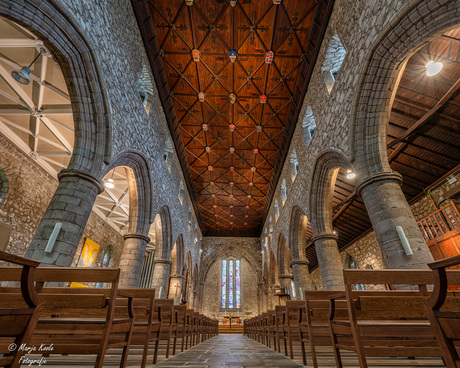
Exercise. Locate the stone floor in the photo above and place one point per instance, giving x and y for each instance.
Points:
(229, 351)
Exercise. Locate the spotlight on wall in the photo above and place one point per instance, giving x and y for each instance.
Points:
(23, 75)
(433, 68)
(350, 174)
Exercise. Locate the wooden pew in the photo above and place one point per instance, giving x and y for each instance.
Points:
(291, 322)
(279, 322)
(168, 322)
(386, 325)
(182, 324)
(80, 323)
(17, 322)
(271, 328)
(446, 324)
(147, 323)
(314, 327)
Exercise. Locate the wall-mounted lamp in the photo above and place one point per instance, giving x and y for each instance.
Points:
(404, 241)
(350, 174)
(109, 184)
(433, 68)
(23, 75)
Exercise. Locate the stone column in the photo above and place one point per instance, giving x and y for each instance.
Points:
(329, 261)
(160, 277)
(175, 288)
(260, 298)
(200, 297)
(132, 258)
(387, 208)
(71, 206)
(285, 282)
(302, 280)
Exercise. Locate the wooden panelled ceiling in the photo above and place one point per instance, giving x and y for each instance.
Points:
(232, 76)
(423, 136)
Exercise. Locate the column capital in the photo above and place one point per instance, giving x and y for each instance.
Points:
(176, 277)
(136, 236)
(166, 261)
(72, 173)
(324, 236)
(299, 262)
(388, 176)
(287, 276)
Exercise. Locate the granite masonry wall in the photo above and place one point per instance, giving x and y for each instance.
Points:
(215, 249)
(31, 189)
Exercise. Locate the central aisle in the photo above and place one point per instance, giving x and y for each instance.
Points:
(229, 351)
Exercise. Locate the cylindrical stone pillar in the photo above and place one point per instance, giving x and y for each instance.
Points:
(387, 208)
(175, 288)
(302, 280)
(160, 277)
(285, 282)
(329, 261)
(71, 206)
(132, 258)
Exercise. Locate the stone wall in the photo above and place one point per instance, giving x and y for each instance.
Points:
(31, 189)
(215, 249)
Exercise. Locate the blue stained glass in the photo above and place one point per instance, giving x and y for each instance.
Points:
(224, 283)
(230, 284)
(237, 281)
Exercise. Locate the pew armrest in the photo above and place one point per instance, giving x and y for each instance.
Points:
(21, 261)
(130, 297)
(448, 262)
(332, 300)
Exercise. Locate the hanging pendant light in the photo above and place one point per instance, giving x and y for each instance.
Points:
(23, 75)
(109, 184)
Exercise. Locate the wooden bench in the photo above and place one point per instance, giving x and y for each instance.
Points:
(147, 324)
(279, 322)
(292, 320)
(76, 323)
(392, 324)
(17, 322)
(168, 322)
(446, 324)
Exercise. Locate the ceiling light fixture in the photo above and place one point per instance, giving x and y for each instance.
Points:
(350, 174)
(109, 184)
(23, 75)
(433, 68)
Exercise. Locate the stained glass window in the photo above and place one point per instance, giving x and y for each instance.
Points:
(237, 282)
(230, 284)
(224, 283)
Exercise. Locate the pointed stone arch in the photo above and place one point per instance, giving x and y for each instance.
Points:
(140, 189)
(164, 236)
(178, 254)
(73, 52)
(321, 194)
(378, 81)
(298, 233)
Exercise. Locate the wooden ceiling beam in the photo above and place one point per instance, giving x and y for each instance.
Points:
(443, 101)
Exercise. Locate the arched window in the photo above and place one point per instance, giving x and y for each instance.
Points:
(333, 61)
(350, 263)
(181, 192)
(270, 225)
(277, 210)
(168, 153)
(4, 186)
(231, 284)
(146, 88)
(308, 125)
(283, 192)
(294, 164)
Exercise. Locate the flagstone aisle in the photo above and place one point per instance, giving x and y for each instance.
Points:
(229, 351)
